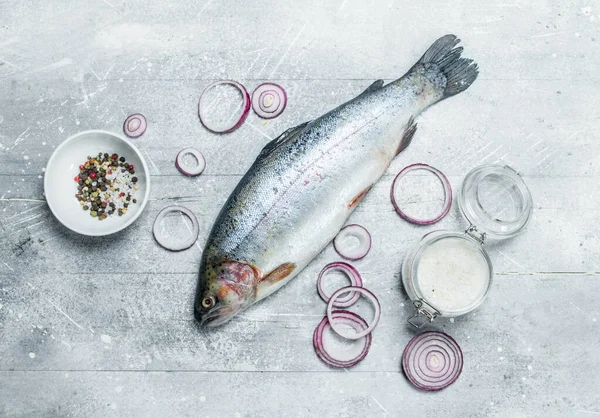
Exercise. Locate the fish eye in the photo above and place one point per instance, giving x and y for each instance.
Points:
(208, 302)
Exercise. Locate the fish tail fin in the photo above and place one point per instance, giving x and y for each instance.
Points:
(442, 57)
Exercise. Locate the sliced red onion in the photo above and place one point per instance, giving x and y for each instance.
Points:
(447, 194)
(334, 357)
(350, 272)
(206, 109)
(135, 125)
(365, 293)
(269, 100)
(432, 360)
(163, 242)
(190, 171)
(343, 247)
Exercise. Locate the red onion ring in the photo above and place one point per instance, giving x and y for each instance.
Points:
(245, 108)
(447, 194)
(269, 109)
(351, 273)
(364, 245)
(135, 125)
(346, 318)
(195, 171)
(364, 292)
(432, 360)
(184, 245)
(268, 101)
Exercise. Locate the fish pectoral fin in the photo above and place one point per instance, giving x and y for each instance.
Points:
(373, 87)
(281, 139)
(279, 273)
(409, 133)
(356, 200)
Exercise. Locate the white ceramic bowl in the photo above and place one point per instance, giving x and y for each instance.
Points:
(60, 187)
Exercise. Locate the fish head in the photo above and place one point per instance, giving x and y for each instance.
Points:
(225, 288)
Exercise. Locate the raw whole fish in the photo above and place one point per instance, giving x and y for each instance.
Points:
(305, 183)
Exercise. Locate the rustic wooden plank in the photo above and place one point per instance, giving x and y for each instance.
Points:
(339, 394)
(519, 350)
(524, 124)
(144, 322)
(35, 241)
(341, 40)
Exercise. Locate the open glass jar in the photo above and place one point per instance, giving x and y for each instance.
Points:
(449, 273)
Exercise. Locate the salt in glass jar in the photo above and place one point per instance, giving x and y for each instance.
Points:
(449, 273)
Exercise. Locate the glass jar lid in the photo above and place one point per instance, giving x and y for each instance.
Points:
(496, 201)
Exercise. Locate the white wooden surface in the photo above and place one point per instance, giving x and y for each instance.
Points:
(104, 326)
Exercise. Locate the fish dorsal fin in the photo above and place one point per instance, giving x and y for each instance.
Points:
(373, 87)
(281, 139)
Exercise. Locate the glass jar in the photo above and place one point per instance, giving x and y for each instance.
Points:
(449, 273)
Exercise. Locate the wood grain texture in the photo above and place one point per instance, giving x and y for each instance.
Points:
(104, 326)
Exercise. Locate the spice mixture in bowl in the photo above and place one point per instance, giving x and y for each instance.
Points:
(106, 184)
(96, 183)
